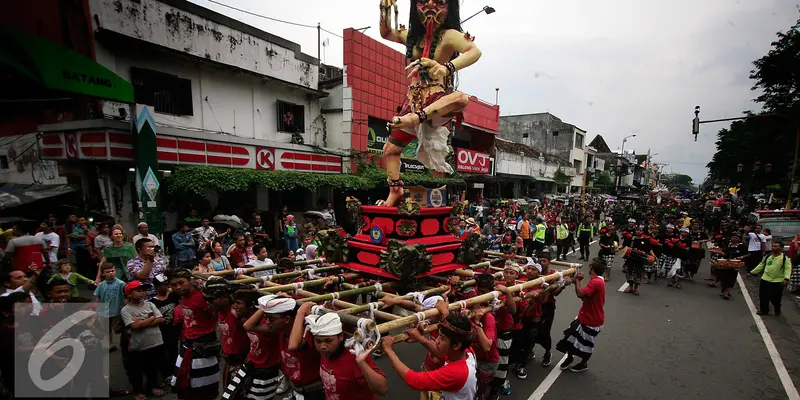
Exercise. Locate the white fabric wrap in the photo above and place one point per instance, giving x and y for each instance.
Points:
(324, 325)
(430, 302)
(433, 148)
(272, 304)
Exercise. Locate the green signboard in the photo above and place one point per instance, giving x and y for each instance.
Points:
(144, 145)
(55, 67)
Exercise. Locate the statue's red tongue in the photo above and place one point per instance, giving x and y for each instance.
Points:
(429, 28)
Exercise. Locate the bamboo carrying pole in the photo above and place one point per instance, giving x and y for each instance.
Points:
(288, 275)
(262, 268)
(387, 327)
(333, 296)
(299, 285)
(365, 307)
(341, 303)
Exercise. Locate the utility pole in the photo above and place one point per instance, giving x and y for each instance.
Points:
(319, 43)
(794, 165)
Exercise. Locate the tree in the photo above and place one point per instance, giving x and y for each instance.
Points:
(561, 179)
(604, 180)
(768, 137)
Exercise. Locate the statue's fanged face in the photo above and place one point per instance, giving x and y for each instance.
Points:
(432, 11)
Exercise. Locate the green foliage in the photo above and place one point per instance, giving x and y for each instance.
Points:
(604, 180)
(196, 179)
(774, 188)
(561, 178)
(768, 137)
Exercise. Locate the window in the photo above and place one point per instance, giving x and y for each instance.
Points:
(291, 118)
(4, 162)
(578, 141)
(167, 93)
(577, 164)
(525, 135)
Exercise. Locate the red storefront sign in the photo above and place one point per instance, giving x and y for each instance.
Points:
(473, 162)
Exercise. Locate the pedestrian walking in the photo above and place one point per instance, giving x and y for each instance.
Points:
(775, 270)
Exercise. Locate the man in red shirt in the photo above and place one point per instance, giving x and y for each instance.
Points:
(25, 250)
(579, 338)
(197, 375)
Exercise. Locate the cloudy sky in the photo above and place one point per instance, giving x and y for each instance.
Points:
(614, 67)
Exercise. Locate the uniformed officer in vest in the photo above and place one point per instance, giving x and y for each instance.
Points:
(539, 237)
(562, 239)
(585, 233)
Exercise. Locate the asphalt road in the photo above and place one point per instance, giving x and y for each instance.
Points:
(666, 343)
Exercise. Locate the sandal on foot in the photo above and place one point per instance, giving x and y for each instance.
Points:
(678, 286)
(119, 392)
(158, 392)
(628, 290)
(636, 292)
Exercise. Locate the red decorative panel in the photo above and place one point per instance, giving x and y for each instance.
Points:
(366, 222)
(443, 258)
(400, 221)
(429, 227)
(444, 225)
(368, 258)
(386, 224)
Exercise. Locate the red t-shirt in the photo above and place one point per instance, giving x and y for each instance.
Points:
(264, 349)
(238, 256)
(490, 329)
(591, 312)
(198, 320)
(342, 378)
(302, 365)
(234, 337)
(505, 320)
(26, 250)
(458, 380)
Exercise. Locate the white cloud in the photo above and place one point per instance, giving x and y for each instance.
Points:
(610, 67)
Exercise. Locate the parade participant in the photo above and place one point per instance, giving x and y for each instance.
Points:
(484, 342)
(525, 231)
(585, 234)
(505, 318)
(681, 246)
(233, 337)
(562, 235)
(727, 276)
(437, 48)
(548, 306)
(456, 379)
(755, 246)
(777, 269)
(197, 374)
(635, 267)
(696, 252)
(580, 337)
(667, 257)
(607, 250)
(260, 374)
(538, 238)
(651, 269)
(530, 310)
(301, 361)
(344, 375)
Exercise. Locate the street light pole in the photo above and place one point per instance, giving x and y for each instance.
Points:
(487, 9)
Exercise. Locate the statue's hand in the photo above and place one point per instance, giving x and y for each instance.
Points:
(435, 70)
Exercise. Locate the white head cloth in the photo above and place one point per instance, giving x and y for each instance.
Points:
(430, 302)
(272, 304)
(324, 325)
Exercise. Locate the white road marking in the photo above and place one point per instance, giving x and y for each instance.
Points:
(550, 379)
(623, 287)
(788, 385)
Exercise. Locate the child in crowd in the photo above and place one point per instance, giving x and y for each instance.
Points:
(142, 319)
(74, 278)
(110, 295)
(290, 233)
(166, 302)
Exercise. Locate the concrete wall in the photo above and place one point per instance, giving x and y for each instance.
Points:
(539, 129)
(223, 102)
(520, 165)
(24, 163)
(187, 28)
